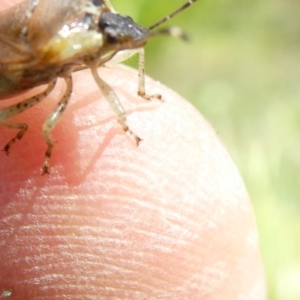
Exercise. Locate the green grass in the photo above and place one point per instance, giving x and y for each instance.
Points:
(241, 69)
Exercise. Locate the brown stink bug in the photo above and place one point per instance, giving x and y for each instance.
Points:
(42, 40)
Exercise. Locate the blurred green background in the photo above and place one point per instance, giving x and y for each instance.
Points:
(241, 69)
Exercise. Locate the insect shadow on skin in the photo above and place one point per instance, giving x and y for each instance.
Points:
(46, 39)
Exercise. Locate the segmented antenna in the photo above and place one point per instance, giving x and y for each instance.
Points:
(173, 14)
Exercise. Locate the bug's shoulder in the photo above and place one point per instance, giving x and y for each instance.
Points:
(38, 38)
(52, 17)
(54, 30)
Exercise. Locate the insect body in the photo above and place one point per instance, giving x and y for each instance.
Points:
(41, 40)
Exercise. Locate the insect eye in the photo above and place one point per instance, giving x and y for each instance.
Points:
(107, 19)
(112, 34)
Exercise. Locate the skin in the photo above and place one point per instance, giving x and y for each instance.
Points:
(170, 219)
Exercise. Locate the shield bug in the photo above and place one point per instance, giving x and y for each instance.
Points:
(42, 40)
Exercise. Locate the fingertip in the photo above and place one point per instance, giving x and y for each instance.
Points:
(170, 217)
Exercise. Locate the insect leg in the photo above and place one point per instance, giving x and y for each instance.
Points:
(141, 86)
(114, 103)
(52, 120)
(126, 54)
(16, 109)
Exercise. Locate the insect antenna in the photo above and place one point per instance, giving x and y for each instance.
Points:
(173, 14)
(172, 31)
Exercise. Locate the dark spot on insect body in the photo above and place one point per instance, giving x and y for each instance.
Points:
(62, 108)
(20, 135)
(138, 140)
(48, 152)
(98, 3)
